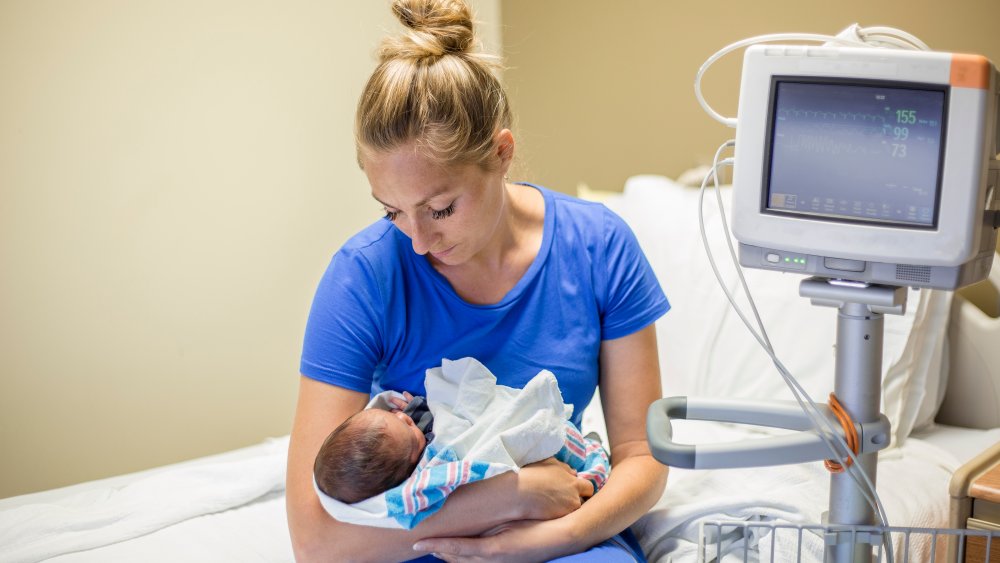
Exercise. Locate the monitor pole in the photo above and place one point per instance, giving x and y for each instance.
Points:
(858, 386)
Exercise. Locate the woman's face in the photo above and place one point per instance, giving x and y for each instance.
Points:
(450, 211)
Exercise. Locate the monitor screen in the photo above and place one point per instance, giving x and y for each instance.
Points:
(856, 152)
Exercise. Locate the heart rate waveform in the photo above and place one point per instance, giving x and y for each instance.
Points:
(843, 116)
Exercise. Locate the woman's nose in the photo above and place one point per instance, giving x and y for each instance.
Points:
(421, 236)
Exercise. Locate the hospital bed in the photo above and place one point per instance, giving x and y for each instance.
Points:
(941, 366)
(941, 362)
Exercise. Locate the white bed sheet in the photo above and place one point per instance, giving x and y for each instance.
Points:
(253, 533)
(962, 443)
(913, 482)
(225, 507)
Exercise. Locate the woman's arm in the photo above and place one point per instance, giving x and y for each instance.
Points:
(544, 491)
(630, 382)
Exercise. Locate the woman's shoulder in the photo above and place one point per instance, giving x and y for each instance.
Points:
(563, 199)
(375, 250)
(573, 211)
(590, 219)
(376, 237)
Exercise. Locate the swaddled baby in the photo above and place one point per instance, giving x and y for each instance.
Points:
(375, 449)
(384, 467)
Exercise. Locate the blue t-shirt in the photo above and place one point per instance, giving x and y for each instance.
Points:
(383, 315)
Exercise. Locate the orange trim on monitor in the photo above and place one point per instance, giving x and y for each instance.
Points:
(970, 71)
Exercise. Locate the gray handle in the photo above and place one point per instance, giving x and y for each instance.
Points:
(803, 446)
(660, 433)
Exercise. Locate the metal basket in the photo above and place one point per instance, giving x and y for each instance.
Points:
(769, 542)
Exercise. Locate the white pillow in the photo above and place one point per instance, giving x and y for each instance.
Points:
(973, 396)
(705, 350)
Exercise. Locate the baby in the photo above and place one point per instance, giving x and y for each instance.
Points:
(375, 449)
(383, 466)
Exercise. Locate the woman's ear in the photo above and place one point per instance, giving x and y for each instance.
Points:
(504, 143)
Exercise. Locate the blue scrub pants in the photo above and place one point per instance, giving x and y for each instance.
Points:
(622, 548)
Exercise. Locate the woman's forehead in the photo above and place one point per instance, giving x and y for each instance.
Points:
(396, 183)
(407, 157)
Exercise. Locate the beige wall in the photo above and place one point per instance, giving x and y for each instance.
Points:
(174, 176)
(605, 90)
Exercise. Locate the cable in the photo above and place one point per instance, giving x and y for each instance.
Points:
(850, 433)
(823, 426)
(829, 433)
(800, 394)
(852, 36)
(892, 36)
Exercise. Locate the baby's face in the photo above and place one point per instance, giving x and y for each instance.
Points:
(402, 429)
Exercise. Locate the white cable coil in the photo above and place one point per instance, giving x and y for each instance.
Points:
(851, 36)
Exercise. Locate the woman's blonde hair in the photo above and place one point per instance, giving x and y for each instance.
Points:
(431, 88)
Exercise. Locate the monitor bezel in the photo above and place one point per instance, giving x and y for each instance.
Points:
(972, 111)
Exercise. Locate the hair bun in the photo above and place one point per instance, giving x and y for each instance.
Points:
(435, 28)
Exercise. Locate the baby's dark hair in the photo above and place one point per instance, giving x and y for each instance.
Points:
(359, 460)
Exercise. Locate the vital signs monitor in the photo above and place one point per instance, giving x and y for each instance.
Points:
(873, 165)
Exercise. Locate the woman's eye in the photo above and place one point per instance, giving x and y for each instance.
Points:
(391, 215)
(442, 213)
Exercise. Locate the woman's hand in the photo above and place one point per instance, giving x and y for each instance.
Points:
(526, 540)
(549, 489)
(546, 491)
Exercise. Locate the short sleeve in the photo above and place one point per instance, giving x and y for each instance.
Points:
(343, 340)
(633, 297)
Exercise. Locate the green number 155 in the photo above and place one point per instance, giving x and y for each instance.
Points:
(906, 116)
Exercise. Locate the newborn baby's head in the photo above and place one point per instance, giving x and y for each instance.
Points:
(368, 454)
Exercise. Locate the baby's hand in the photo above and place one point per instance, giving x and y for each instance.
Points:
(400, 404)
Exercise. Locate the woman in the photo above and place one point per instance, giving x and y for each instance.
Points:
(468, 264)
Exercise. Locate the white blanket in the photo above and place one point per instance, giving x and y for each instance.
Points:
(912, 482)
(495, 423)
(106, 515)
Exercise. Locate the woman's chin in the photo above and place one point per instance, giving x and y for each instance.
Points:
(446, 257)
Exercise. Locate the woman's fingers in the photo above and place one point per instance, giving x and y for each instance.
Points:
(518, 541)
(583, 487)
(549, 489)
(555, 463)
(453, 549)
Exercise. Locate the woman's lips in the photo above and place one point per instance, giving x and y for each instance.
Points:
(443, 253)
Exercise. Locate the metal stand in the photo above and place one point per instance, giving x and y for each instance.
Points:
(857, 384)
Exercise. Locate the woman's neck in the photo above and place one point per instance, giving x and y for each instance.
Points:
(492, 273)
